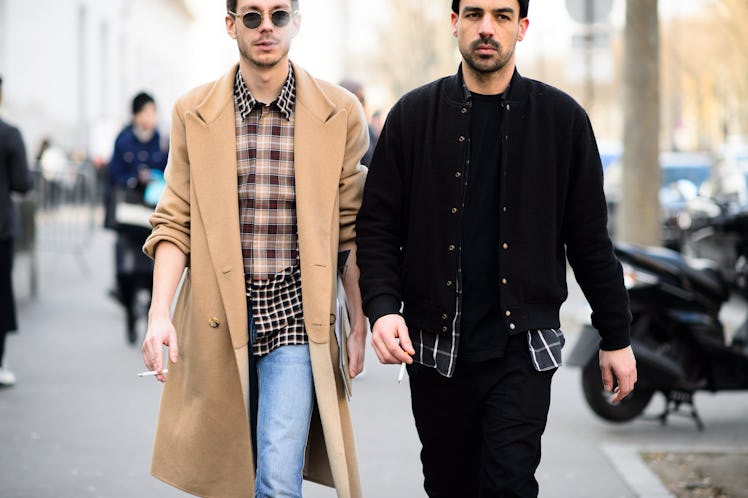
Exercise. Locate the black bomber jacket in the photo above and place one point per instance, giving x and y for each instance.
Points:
(553, 208)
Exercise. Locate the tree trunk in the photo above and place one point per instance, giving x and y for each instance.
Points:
(639, 209)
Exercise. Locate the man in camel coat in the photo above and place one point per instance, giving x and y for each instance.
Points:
(263, 187)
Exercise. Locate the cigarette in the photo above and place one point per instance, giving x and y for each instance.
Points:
(153, 372)
(402, 373)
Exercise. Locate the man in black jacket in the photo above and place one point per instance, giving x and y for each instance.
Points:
(481, 186)
(14, 177)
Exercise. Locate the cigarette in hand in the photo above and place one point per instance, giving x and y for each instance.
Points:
(402, 373)
(153, 372)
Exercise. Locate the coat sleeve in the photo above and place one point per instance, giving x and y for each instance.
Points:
(589, 248)
(119, 172)
(171, 220)
(20, 179)
(380, 225)
(353, 174)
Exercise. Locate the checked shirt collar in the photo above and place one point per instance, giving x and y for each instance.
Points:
(286, 101)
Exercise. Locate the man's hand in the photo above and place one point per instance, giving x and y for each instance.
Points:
(160, 333)
(356, 346)
(619, 366)
(390, 339)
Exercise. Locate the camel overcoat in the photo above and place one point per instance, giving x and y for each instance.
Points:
(203, 443)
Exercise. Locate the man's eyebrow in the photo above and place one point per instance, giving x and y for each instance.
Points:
(503, 10)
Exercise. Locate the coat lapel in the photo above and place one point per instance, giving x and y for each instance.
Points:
(212, 149)
(319, 147)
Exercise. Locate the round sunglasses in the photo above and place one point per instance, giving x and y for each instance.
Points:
(252, 19)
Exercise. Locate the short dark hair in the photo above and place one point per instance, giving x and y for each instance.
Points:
(523, 6)
(140, 101)
(231, 5)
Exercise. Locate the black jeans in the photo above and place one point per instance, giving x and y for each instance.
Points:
(481, 429)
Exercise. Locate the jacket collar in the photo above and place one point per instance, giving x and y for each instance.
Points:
(458, 92)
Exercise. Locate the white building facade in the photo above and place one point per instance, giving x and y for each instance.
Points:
(71, 67)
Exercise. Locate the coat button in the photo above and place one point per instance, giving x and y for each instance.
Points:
(444, 316)
(505, 246)
(504, 281)
(332, 319)
(449, 283)
(461, 139)
(214, 323)
(464, 110)
(454, 210)
(451, 247)
(458, 174)
(508, 313)
(444, 329)
(512, 326)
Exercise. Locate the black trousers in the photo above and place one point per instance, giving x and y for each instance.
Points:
(480, 430)
(7, 302)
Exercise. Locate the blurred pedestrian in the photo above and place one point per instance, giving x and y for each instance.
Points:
(375, 124)
(138, 148)
(14, 177)
(357, 89)
(263, 186)
(137, 158)
(481, 184)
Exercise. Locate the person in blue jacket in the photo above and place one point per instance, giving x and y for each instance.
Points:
(137, 158)
(137, 149)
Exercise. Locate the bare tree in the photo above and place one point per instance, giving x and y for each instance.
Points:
(416, 45)
(731, 59)
(639, 220)
(706, 69)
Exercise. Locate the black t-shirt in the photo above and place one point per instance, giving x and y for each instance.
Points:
(483, 333)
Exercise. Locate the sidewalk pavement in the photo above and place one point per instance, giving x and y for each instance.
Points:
(79, 423)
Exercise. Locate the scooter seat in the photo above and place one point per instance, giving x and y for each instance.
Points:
(703, 276)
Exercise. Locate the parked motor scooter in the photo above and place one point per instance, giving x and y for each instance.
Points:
(676, 333)
(724, 240)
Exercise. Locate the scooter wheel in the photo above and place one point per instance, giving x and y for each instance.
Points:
(627, 409)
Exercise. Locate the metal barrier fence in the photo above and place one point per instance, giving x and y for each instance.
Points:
(67, 200)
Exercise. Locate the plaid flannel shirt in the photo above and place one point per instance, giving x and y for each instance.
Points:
(267, 212)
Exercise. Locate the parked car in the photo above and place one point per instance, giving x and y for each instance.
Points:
(682, 175)
(727, 184)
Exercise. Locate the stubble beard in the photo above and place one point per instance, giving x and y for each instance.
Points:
(486, 65)
(265, 62)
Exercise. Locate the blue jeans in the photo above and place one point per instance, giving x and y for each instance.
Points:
(286, 397)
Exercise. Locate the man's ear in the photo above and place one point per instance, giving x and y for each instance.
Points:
(524, 23)
(296, 25)
(231, 26)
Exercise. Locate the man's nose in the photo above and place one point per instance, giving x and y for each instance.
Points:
(486, 26)
(267, 22)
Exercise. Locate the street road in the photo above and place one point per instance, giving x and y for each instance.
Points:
(80, 423)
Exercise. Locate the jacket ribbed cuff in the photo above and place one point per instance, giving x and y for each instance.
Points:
(613, 342)
(380, 306)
